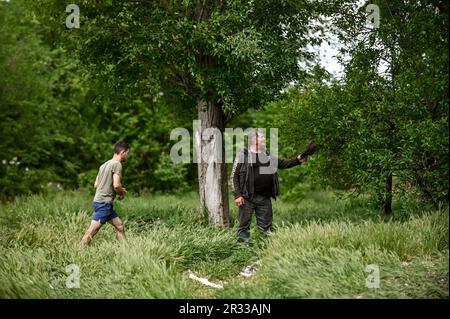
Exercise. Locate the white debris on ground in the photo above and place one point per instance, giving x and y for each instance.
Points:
(204, 281)
(250, 270)
(406, 264)
(247, 271)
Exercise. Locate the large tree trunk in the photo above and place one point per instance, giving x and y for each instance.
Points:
(388, 196)
(212, 171)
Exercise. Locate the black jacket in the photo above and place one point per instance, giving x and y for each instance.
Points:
(242, 176)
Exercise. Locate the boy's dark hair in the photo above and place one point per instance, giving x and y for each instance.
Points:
(121, 146)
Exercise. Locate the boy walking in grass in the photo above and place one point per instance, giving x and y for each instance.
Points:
(108, 184)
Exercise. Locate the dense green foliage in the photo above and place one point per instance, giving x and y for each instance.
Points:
(56, 126)
(320, 248)
(387, 118)
(134, 71)
(238, 54)
(43, 112)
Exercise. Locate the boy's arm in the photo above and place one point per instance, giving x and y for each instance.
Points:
(117, 183)
(96, 182)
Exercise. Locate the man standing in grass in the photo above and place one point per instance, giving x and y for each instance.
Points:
(108, 184)
(253, 184)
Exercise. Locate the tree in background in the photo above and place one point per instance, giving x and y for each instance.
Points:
(218, 57)
(56, 128)
(42, 125)
(388, 116)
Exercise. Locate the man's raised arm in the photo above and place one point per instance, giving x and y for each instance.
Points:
(288, 163)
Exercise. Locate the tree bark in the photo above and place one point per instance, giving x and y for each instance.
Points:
(388, 195)
(212, 171)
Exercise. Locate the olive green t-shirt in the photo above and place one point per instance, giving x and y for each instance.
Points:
(105, 189)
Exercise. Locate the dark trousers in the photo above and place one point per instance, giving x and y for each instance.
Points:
(262, 205)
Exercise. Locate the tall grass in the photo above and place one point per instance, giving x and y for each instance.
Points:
(320, 249)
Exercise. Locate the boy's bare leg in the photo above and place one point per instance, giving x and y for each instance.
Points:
(120, 228)
(92, 230)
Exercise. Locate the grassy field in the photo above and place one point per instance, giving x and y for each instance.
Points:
(320, 249)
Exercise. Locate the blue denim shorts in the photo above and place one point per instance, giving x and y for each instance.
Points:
(103, 212)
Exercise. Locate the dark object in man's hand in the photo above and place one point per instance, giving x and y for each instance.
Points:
(310, 150)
